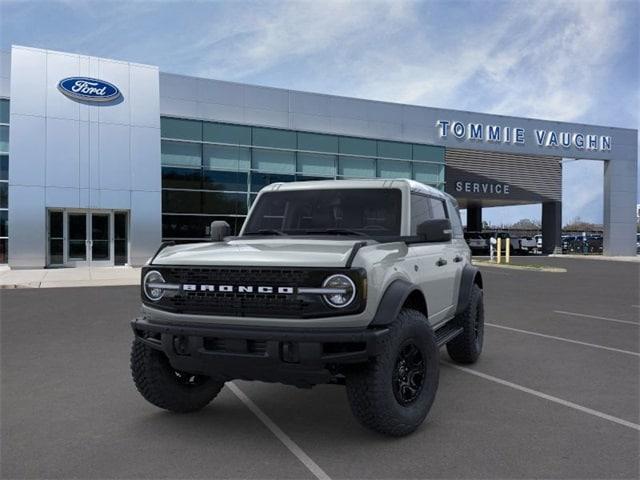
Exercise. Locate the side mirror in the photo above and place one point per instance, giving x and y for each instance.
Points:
(219, 230)
(434, 230)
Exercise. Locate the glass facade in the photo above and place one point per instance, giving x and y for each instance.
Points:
(212, 171)
(4, 180)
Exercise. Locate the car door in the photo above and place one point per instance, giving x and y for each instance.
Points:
(452, 269)
(433, 265)
(461, 254)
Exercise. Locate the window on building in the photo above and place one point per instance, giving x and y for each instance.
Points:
(4, 194)
(4, 250)
(357, 167)
(318, 143)
(4, 180)
(316, 164)
(180, 201)
(225, 157)
(274, 161)
(394, 169)
(4, 111)
(4, 139)
(428, 173)
(428, 153)
(394, 150)
(213, 170)
(189, 178)
(120, 238)
(219, 180)
(191, 227)
(224, 203)
(274, 138)
(358, 146)
(225, 133)
(261, 180)
(181, 129)
(181, 154)
(4, 167)
(4, 221)
(4, 233)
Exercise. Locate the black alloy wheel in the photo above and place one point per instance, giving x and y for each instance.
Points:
(408, 374)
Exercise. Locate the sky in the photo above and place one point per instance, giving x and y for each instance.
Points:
(558, 60)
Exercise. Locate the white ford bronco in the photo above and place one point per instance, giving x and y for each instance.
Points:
(350, 282)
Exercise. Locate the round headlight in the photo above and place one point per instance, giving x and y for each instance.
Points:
(344, 291)
(151, 283)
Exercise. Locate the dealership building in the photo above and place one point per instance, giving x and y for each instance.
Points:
(101, 160)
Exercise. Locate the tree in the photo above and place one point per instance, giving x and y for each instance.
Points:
(526, 224)
(579, 225)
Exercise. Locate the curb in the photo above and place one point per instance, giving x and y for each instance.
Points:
(521, 267)
(601, 258)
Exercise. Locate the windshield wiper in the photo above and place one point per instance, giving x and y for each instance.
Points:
(266, 231)
(338, 231)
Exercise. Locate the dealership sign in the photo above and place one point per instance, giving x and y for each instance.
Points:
(478, 132)
(486, 188)
(88, 89)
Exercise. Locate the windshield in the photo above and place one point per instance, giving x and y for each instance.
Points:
(358, 212)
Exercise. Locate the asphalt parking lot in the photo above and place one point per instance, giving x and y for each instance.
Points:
(556, 394)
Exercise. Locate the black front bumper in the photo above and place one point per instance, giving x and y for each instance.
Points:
(297, 357)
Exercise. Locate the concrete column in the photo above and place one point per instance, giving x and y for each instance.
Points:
(474, 218)
(620, 198)
(551, 227)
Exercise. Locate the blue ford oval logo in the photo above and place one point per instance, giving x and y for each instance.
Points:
(89, 89)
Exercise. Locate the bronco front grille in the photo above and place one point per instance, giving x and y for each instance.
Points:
(251, 304)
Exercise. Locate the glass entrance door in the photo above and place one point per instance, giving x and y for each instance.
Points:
(87, 238)
(77, 239)
(100, 241)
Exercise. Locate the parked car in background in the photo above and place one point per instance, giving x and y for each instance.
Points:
(528, 245)
(582, 244)
(477, 242)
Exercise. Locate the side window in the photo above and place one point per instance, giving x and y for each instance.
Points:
(419, 211)
(456, 223)
(438, 210)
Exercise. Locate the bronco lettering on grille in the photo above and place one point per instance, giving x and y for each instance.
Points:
(190, 287)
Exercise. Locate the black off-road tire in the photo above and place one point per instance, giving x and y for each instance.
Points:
(160, 384)
(372, 389)
(467, 347)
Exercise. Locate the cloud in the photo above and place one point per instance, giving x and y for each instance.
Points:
(309, 34)
(570, 60)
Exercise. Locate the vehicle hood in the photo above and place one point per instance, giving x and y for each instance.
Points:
(274, 252)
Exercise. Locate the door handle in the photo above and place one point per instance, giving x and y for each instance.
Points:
(441, 262)
(457, 258)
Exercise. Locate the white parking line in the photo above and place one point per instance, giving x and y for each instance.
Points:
(280, 435)
(551, 398)
(562, 339)
(596, 317)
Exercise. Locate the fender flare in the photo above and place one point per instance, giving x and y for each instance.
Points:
(391, 302)
(469, 276)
